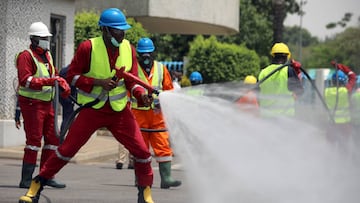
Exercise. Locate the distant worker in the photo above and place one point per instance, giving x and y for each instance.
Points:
(355, 114)
(151, 118)
(248, 101)
(337, 97)
(196, 78)
(279, 91)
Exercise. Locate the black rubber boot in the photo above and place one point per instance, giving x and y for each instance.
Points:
(33, 194)
(165, 173)
(55, 184)
(144, 195)
(26, 175)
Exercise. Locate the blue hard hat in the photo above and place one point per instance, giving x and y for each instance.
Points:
(196, 77)
(340, 76)
(145, 45)
(114, 18)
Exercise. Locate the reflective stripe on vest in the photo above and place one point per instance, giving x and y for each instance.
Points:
(46, 93)
(100, 69)
(342, 111)
(275, 98)
(156, 82)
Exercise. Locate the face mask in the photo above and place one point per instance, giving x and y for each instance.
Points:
(44, 44)
(114, 42)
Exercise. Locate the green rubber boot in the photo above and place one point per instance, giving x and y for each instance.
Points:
(165, 173)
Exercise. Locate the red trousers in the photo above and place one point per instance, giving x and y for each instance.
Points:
(38, 123)
(123, 127)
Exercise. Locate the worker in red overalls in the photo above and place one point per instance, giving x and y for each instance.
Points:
(92, 71)
(37, 76)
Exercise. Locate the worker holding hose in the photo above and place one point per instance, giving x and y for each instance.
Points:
(151, 118)
(37, 75)
(337, 97)
(280, 84)
(92, 71)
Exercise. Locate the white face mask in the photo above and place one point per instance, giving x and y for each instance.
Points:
(44, 44)
(115, 42)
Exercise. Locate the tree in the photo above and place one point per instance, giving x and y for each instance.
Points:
(344, 48)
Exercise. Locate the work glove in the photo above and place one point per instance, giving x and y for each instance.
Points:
(296, 65)
(64, 86)
(44, 81)
(341, 67)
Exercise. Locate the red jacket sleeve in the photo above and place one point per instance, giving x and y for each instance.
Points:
(131, 86)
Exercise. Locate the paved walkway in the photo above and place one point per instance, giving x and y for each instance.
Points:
(91, 177)
(99, 146)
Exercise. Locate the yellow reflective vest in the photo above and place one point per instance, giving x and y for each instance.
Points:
(355, 110)
(275, 98)
(338, 99)
(156, 83)
(46, 93)
(100, 69)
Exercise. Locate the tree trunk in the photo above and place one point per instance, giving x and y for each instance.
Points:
(279, 17)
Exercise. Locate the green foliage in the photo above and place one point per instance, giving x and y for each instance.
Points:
(86, 26)
(344, 48)
(221, 62)
(135, 32)
(292, 34)
(171, 47)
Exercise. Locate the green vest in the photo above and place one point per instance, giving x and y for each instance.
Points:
(355, 108)
(342, 111)
(46, 93)
(156, 83)
(275, 98)
(100, 69)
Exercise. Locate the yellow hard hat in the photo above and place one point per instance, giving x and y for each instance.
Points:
(250, 79)
(280, 48)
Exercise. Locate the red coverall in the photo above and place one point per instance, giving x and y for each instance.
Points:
(38, 115)
(343, 129)
(121, 124)
(153, 119)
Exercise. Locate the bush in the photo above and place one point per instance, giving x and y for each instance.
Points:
(221, 62)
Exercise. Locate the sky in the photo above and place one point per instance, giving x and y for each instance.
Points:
(318, 13)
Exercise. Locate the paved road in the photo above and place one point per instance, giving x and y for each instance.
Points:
(91, 182)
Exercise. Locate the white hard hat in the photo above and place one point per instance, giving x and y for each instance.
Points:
(39, 29)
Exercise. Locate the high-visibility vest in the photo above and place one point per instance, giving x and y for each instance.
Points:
(46, 93)
(355, 110)
(338, 98)
(100, 69)
(156, 83)
(275, 98)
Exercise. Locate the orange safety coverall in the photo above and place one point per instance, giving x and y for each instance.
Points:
(153, 119)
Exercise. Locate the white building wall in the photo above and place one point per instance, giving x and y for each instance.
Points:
(15, 17)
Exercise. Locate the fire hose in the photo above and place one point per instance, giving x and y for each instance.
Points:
(60, 133)
(307, 76)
